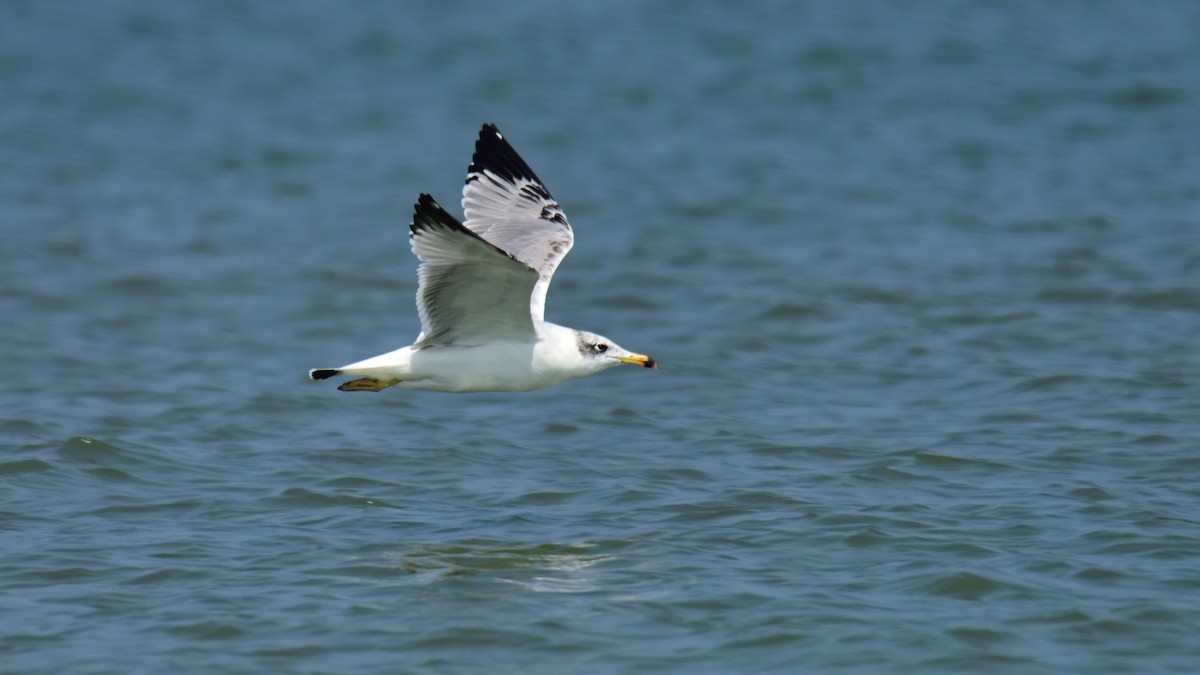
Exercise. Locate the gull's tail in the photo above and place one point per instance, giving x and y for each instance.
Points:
(361, 384)
(374, 374)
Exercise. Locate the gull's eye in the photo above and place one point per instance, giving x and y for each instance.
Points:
(600, 348)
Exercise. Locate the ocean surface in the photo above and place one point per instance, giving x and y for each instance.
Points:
(922, 278)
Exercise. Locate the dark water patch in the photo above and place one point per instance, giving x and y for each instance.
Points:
(357, 571)
(1097, 630)
(144, 286)
(1145, 95)
(89, 449)
(1098, 575)
(368, 459)
(304, 498)
(843, 521)
(891, 475)
(284, 156)
(1178, 548)
(207, 630)
(16, 521)
(22, 428)
(1067, 616)
(357, 482)
(981, 662)
(960, 585)
(941, 461)
(1048, 383)
(21, 466)
(1075, 295)
(870, 537)
(872, 296)
(1155, 440)
(980, 637)
(61, 575)
(475, 637)
(115, 475)
(763, 500)
(1180, 298)
(1161, 615)
(1091, 494)
(703, 512)
(170, 577)
(560, 428)
(768, 449)
(543, 498)
(17, 640)
(987, 317)
(769, 638)
(676, 475)
(292, 188)
(149, 506)
(84, 451)
(794, 310)
(633, 497)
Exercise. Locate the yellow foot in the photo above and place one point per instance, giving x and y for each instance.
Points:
(367, 384)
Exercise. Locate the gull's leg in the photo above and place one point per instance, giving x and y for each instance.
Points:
(367, 384)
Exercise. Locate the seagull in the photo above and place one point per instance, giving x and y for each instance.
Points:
(481, 292)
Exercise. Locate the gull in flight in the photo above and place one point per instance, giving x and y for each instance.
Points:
(481, 291)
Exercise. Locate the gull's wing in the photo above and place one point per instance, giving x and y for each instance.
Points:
(469, 291)
(506, 204)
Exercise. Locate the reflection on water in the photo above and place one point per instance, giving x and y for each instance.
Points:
(546, 568)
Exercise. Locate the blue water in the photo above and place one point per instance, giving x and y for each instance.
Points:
(923, 281)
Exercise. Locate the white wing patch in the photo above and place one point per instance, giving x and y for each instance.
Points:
(469, 291)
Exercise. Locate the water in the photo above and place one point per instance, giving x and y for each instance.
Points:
(923, 280)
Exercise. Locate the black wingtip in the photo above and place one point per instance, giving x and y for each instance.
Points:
(323, 373)
(428, 213)
(426, 202)
(493, 153)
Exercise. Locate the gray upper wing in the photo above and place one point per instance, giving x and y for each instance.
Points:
(507, 204)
